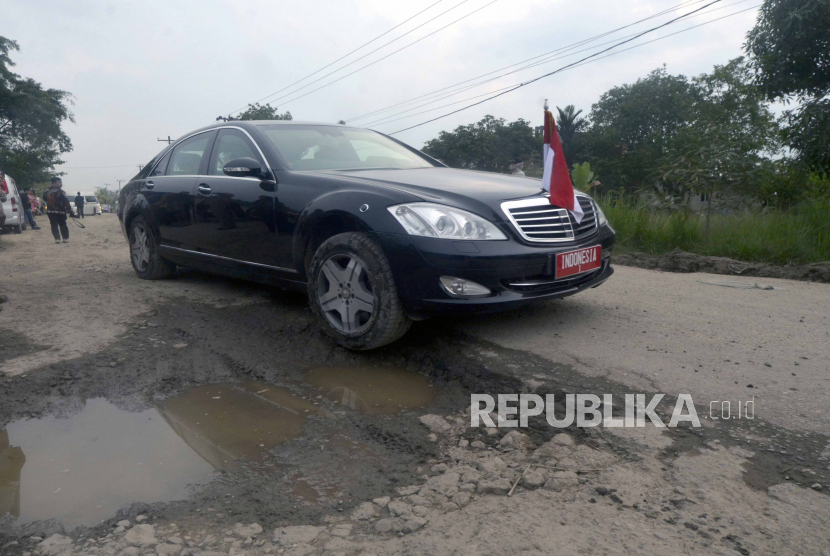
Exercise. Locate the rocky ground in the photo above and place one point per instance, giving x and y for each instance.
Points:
(683, 261)
(410, 475)
(504, 496)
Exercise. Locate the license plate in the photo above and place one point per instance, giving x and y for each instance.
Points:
(579, 261)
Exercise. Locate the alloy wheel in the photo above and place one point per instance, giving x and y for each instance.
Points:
(140, 248)
(345, 293)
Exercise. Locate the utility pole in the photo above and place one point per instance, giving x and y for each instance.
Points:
(118, 194)
(168, 140)
(140, 166)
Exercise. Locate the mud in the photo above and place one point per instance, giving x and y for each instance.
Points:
(14, 344)
(682, 261)
(348, 429)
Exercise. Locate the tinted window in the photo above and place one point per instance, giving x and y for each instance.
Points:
(309, 147)
(91, 200)
(231, 144)
(187, 156)
(162, 166)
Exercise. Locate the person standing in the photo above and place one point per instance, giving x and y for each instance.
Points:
(34, 200)
(27, 210)
(57, 207)
(79, 204)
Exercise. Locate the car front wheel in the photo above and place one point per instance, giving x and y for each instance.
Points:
(147, 262)
(352, 292)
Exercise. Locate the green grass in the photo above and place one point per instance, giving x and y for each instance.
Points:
(800, 235)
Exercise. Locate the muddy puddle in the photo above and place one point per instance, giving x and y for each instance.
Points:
(372, 390)
(82, 469)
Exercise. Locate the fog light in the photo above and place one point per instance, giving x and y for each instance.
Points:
(459, 287)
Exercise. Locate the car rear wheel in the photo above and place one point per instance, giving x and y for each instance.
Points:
(147, 262)
(352, 292)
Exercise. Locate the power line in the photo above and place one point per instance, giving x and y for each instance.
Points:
(520, 85)
(355, 50)
(560, 49)
(349, 54)
(443, 93)
(392, 117)
(385, 57)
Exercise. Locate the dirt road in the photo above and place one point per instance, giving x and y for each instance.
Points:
(154, 403)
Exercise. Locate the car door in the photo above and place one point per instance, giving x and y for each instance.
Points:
(169, 189)
(234, 216)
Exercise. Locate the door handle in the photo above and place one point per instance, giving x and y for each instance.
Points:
(204, 189)
(149, 185)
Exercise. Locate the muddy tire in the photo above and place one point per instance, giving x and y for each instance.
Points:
(352, 293)
(144, 255)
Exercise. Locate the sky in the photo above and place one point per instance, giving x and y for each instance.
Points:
(143, 70)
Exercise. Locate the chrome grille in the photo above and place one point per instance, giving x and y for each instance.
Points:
(537, 220)
(588, 225)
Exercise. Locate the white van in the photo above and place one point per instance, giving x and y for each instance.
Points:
(91, 205)
(13, 208)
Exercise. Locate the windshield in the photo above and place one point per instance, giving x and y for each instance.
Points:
(316, 147)
(91, 200)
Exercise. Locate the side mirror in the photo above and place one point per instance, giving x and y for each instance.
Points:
(243, 168)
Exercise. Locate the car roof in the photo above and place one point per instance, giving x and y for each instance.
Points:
(262, 123)
(287, 122)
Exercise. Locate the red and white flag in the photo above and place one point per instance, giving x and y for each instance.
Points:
(556, 179)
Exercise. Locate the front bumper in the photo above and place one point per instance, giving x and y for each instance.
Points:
(515, 272)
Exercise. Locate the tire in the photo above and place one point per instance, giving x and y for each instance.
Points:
(144, 255)
(352, 293)
(18, 229)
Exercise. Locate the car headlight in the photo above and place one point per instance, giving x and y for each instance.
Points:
(600, 215)
(441, 221)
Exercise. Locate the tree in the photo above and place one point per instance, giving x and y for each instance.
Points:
(258, 111)
(789, 50)
(31, 138)
(713, 164)
(491, 144)
(569, 125)
(105, 196)
(640, 130)
(633, 125)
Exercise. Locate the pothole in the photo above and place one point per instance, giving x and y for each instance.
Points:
(64, 472)
(373, 390)
(82, 469)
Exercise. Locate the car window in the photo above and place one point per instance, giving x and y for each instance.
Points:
(91, 200)
(231, 144)
(314, 147)
(187, 156)
(161, 168)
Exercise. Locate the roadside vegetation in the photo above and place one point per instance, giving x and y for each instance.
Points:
(798, 235)
(700, 163)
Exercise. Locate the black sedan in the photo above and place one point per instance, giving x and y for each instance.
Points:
(378, 233)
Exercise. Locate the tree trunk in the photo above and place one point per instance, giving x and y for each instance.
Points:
(709, 201)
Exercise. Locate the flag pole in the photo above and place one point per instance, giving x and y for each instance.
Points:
(546, 105)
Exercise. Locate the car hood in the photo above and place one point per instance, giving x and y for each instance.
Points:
(449, 185)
